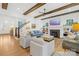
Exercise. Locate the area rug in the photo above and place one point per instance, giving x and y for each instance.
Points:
(68, 53)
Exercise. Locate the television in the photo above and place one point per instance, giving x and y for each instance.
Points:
(55, 22)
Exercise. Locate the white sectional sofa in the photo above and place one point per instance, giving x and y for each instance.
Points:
(39, 47)
(25, 41)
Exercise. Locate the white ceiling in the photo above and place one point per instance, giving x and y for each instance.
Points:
(48, 7)
(60, 12)
(17, 9)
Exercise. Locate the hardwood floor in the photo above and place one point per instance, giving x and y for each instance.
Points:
(9, 46)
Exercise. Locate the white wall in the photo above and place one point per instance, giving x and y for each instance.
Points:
(74, 16)
(6, 22)
(24, 31)
(39, 23)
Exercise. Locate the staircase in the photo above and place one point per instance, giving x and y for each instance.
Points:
(22, 29)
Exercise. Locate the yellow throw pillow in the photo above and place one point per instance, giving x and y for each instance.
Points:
(75, 27)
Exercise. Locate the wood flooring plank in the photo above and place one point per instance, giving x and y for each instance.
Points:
(9, 46)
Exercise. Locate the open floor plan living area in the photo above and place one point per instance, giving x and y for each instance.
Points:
(39, 29)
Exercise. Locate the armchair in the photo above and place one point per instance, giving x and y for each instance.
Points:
(39, 47)
(25, 41)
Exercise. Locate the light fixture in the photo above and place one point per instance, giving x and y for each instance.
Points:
(44, 11)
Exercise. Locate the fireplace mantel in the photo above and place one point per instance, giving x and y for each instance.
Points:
(57, 27)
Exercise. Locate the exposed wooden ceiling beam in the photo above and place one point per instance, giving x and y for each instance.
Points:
(34, 8)
(60, 14)
(4, 5)
(58, 9)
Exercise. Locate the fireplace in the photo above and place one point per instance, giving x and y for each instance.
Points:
(55, 33)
